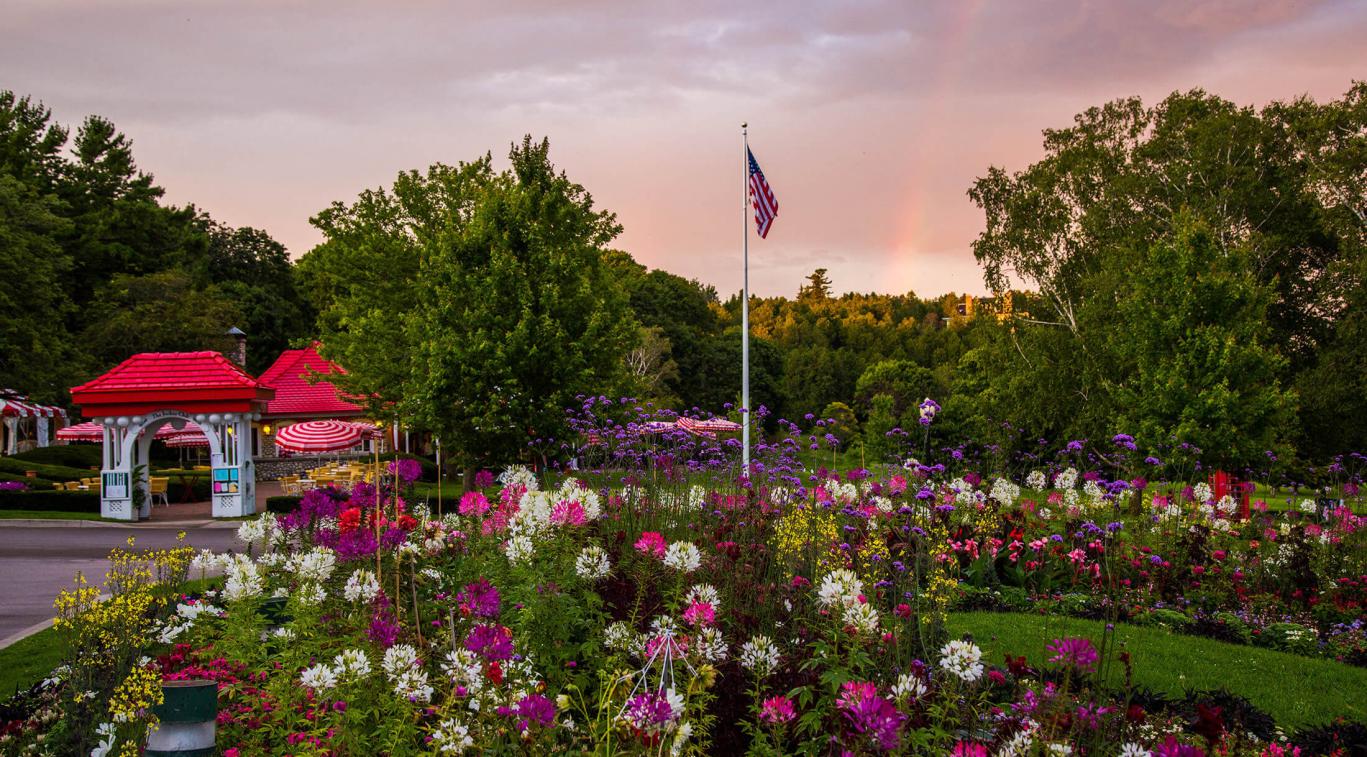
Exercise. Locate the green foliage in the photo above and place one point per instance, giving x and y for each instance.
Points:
(904, 381)
(478, 301)
(40, 499)
(69, 455)
(878, 446)
(159, 312)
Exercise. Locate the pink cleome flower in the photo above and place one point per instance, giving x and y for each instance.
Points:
(651, 543)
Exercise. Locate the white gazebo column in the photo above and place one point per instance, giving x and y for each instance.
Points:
(116, 473)
(42, 431)
(232, 482)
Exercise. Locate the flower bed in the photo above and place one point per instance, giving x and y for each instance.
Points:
(679, 610)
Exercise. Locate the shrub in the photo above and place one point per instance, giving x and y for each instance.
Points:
(1289, 637)
(49, 472)
(70, 455)
(72, 502)
(286, 503)
(1170, 619)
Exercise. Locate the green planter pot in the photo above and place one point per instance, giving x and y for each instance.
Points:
(187, 720)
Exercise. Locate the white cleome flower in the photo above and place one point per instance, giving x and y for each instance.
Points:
(909, 686)
(839, 587)
(1132, 749)
(519, 548)
(451, 737)
(315, 565)
(351, 664)
(962, 659)
(704, 593)
(620, 637)
(244, 581)
(1036, 480)
(311, 594)
(862, 616)
(683, 556)
(709, 645)
(399, 659)
(760, 655)
(361, 587)
(592, 563)
(318, 677)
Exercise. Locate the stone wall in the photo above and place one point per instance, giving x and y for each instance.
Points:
(272, 468)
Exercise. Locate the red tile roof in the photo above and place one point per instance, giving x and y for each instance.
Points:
(295, 397)
(171, 380)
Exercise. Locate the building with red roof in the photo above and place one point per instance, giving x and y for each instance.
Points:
(299, 397)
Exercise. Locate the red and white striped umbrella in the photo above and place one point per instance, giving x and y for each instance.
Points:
(368, 430)
(319, 436)
(168, 431)
(82, 432)
(708, 428)
(183, 439)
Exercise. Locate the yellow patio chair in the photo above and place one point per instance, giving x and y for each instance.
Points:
(157, 487)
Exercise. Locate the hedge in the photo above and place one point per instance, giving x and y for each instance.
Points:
(49, 472)
(71, 502)
(282, 504)
(70, 455)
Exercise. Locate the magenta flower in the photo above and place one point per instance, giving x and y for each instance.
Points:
(871, 714)
(1171, 748)
(473, 503)
(480, 599)
(568, 513)
(648, 712)
(777, 710)
(492, 642)
(968, 749)
(1074, 653)
(534, 708)
(651, 543)
(484, 479)
(700, 613)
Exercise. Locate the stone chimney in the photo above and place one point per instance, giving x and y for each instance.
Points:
(241, 337)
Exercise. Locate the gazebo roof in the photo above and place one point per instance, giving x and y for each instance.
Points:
(185, 381)
(295, 397)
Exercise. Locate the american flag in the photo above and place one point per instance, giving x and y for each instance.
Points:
(761, 197)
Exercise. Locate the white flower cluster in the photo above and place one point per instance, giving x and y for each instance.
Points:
(1227, 505)
(592, 563)
(451, 737)
(316, 564)
(362, 586)
(1308, 506)
(759, 655)
(350, 665)
(1066, 480)
(409, 679)
(244, 580)
(1202, 493)
(962, 659)
(683, 555)
(883, 504)
(519, 474)
(1095, 495)
(463, 668)
(964, 493)
(843, 493)
(862, 616)
(264, 530)
(1004, 492)
(519, 548)
(709, 646)
(704, 593)
(909, 686)
(108, 735)
(1021, 745)
(840, 587)
(620, 637)
(1036, 480)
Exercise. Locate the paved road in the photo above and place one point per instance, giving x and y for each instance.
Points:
(37, 562)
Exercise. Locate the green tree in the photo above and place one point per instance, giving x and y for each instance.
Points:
(35, 348)
(158, 312)
(904, 381)
(878, 445)
(498, 307)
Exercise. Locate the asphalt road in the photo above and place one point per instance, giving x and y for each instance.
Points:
(38, 562)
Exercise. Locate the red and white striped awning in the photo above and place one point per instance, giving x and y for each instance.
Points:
(18, 405)
(708, 428)
(319, 436)
(82, 432)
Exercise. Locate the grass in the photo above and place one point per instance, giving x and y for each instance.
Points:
(28, 661)
(1296, 691)
(47, 515)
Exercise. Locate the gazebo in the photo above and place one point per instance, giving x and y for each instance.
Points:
(149, 390)
(15, 410)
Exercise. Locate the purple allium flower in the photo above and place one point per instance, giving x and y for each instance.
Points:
(480, 599)
(1074, 653)
(492, 642)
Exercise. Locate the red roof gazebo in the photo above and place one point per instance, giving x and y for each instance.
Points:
(149, 390)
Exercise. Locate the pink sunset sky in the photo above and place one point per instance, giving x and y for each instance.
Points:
(870, 119)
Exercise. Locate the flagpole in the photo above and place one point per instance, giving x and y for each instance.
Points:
(745, 306)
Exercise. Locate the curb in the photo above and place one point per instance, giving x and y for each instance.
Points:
(62, 523)
(19, 636)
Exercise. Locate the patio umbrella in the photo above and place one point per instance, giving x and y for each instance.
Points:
(319, 436)
(168, 431)
(82, 432)
(182, 440)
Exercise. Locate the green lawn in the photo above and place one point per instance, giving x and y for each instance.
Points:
(28, 661)
(1297, 691)
(48, 515)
